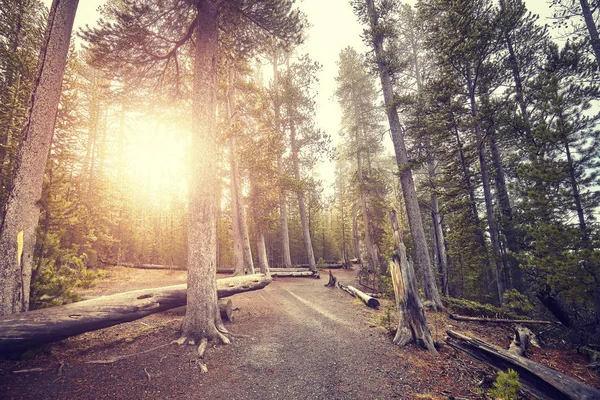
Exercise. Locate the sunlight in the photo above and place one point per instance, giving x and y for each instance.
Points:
(154, 161)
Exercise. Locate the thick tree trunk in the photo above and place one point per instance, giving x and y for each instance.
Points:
(540, 381)
(355, 239)
(406, 178)
(412, 322)
(438, 233)
(19, 332)
(202, 319)
(17, 235)
(591, 27)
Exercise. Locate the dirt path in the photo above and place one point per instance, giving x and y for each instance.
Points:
(295, 339)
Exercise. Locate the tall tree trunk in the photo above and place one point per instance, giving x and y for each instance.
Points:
(17, 235)
(487, 193)
(371, 247)
(202, 320)
(241, 238)
(261, 249)
(355, 240)
(507, 225)
(591, 27)
(301, 203)
(283, 219)
(438, 234)
(406, 178)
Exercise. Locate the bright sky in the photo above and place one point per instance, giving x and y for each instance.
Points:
(333, 27)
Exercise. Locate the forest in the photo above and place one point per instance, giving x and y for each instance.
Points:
(184, 133)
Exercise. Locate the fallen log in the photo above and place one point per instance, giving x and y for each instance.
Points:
(225, 309)
(295, 274)
(500, 320)
(329, 265)
(157, 267)
(289, 269)
(368, 300)
(542, 382)
(520, 343)
(21, 331)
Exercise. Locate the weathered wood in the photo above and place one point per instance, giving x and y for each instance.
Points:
(332, 280)
(500, 320)
(328, 266)
(156, 266)
(300, 269)
(368, 300)
(521, 341)
(21, 331)
(412, 322)
(226, 309)
(300, 274)
(539, 380)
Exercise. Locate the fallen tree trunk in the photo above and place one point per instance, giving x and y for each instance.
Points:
(523, 337)
(540, 381)
(225, 309)
(295, 274)
(501, 321)
(156, 266)
(330, 266)
(289, 270)
(21, 331)
(368, 300)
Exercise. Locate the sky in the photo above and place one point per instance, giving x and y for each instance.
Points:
(333, 27)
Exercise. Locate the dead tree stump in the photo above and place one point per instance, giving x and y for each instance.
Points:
(412, 322)
(332, 280)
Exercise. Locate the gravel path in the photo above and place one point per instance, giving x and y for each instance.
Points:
(295, 339)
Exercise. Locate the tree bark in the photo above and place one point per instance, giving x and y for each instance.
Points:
(487, 193)
(365, 298)
(406, 178)
(202, 319)
(412, 322)
(541, 381)
(591, 27)
(17, 235)
(19, 332)
(241, 239)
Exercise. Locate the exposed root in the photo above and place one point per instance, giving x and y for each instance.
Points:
(202, 347)
(224, 339)
(147, 374)
(118, 358)
(181, 341)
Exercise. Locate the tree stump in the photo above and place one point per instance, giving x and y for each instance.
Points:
(332, 280)
(412, 322)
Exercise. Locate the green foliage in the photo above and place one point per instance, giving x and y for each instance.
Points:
(389, 319)
(506, 386)
(517, 302)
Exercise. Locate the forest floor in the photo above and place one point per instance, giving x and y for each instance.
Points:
(294, 339)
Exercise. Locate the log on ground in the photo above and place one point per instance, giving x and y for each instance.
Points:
(295, 274)
(157, 267)
(521, 341)
(22, 331)
(368, 300)
(500, 320)
(539, 380)
(289, 270)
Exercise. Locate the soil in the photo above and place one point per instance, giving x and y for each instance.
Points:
(294, 339)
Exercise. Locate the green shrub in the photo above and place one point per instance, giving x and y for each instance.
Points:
(506, 386)
(517, 302)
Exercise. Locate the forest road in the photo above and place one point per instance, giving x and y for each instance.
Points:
(294, 339)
